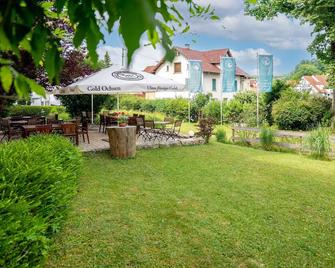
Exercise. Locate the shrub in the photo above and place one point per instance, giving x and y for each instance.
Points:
(221, 135)
(17, 110)
(242, 109)
(206, 127)
(75, 104)
(38, 179)
(267, 138)
(212, 110)
(318, 142)
(300, 111)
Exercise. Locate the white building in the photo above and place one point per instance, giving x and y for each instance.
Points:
(178, 70)
(315, 84)
(50, 99)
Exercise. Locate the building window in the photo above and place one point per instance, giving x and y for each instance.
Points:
(213, 84)
(177, 67)
(167, 68)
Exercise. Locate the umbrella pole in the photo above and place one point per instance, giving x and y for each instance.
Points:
(118, 102)
(92, 116)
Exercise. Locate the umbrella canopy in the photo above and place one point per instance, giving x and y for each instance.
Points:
(115, 80)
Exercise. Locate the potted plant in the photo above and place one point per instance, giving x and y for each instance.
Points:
(122, 120)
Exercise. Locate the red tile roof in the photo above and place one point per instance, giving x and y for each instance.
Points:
(210, 60)
(319, 82)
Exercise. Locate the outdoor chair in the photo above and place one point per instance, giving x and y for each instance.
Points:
(132, 121)
(102, 123)
(140, 129)
(151, 132)
(9, 131)
(174, 132)
(110, 121)
(83, 130)
(43, 129)
(33, 121)
(69, 130)
(170, 124)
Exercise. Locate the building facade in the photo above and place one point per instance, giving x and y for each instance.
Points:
(178, 71)
(49, 100)
(315, 85)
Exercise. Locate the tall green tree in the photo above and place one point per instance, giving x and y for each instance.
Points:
(317, 13)
(107, 60)
(29, 25)
(306, 67)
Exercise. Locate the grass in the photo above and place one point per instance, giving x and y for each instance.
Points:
(215, 205)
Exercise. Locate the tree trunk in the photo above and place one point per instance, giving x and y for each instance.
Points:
(122, 141)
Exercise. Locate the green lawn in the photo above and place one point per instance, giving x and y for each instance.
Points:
(207, 206)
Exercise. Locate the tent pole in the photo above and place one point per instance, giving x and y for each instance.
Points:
(92, 116)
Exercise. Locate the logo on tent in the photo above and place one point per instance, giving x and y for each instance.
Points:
(126, 75)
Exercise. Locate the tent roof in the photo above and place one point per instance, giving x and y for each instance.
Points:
(115, 80)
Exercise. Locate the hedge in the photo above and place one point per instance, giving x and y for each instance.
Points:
(300, 111)
(17, 110)
(38, 178)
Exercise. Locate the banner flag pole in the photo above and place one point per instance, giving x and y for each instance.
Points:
(257, 93)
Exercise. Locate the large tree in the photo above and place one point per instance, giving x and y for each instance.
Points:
(317, 13)
(28, 25)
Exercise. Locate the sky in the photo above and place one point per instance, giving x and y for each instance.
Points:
(285, 38)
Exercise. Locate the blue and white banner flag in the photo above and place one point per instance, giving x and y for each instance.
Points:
(265, 73)
(228, 73)
(194, 82)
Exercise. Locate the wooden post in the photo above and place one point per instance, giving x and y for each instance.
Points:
(122, 141)
(233, 134)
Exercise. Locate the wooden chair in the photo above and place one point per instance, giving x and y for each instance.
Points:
(9, 131)
(175, 131)
(43, 129)
(102, 122)
(83, 130)
(70, 130)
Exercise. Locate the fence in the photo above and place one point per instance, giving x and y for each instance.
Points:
(283, 138)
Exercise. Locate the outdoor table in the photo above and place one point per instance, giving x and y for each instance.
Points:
(26, 117)
(122, 141)
(18, 123)
(27, 129)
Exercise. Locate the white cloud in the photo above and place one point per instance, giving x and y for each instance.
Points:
(281, 32)
(247, 59)
(143, 57)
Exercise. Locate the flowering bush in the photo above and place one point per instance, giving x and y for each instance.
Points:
(122, 117)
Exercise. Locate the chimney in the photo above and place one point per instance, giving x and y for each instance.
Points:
(188, 46)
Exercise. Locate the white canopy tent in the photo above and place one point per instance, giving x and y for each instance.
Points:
(115, 81)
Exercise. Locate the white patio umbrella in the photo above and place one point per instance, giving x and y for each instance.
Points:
(115, 80)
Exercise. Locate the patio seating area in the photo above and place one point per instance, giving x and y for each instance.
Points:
(150, 133)
(94, 138)
(18, 127)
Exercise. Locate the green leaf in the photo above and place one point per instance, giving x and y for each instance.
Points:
(81, 32)
(50, 62)
(6, 77)
(59, 4)
(187, 28)
(38, 41)
(93, 38)
(21, 86)
(38, 89)
(5, 61)
(4, 44)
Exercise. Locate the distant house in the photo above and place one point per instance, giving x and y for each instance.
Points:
(178, 70)
(50, 99)
(314, 84)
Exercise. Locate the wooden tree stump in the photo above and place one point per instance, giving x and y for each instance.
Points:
(122, 141)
